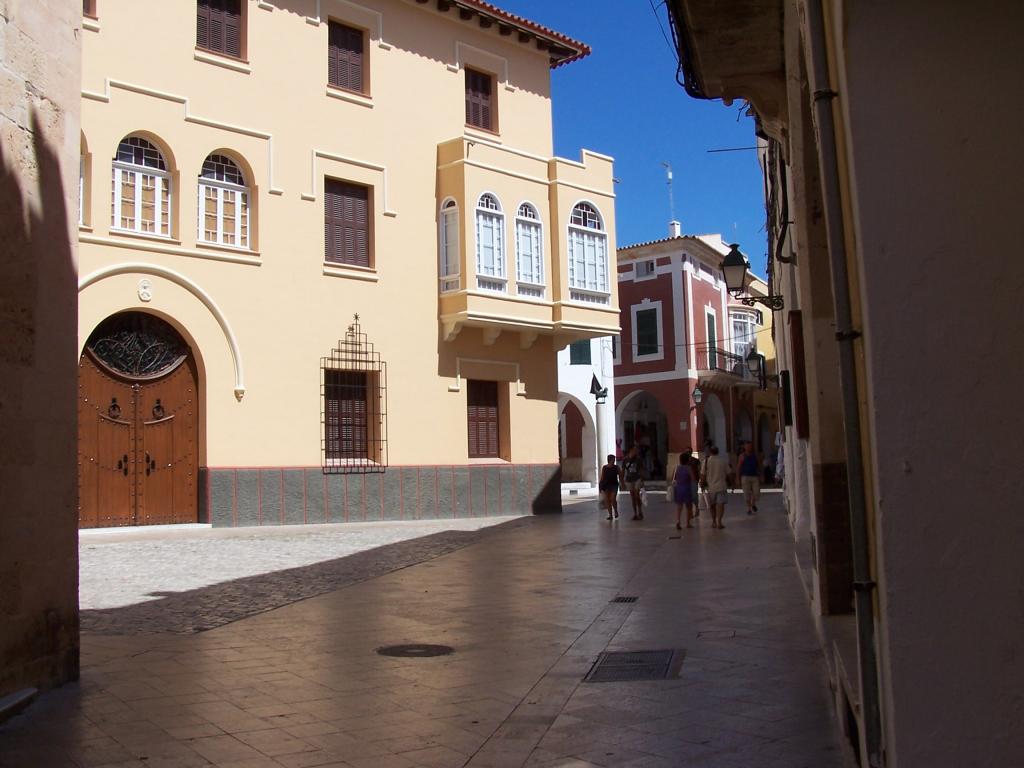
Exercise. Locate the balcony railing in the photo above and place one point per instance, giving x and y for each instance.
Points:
(715, 359)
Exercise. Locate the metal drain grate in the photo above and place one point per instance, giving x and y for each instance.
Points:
(625, 599)
(415, 650)
(622, 666)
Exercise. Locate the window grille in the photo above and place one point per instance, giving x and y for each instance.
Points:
(223, 203)
(140, 189)
(353, 406)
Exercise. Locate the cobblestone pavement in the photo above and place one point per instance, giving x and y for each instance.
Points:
(527, 608)
(190, 580)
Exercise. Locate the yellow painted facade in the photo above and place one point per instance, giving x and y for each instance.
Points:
(259, 319)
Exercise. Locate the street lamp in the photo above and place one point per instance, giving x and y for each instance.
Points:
(697, 396)
(754, 363)
(734, 268)
(600, 393)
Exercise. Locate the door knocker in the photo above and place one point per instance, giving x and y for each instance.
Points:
(158, 410)
(114, 410)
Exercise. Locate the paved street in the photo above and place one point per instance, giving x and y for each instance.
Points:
(527, 608)
(188, 579)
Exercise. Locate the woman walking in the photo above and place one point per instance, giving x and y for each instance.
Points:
(609, 486)
(683, 483)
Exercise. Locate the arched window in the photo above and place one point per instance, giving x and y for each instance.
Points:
(588, 255)
(223, 203)
(449, 246)
(141, 189)
(490, 244)
(529, 252)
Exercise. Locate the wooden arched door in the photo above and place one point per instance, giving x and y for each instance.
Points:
(138, 420)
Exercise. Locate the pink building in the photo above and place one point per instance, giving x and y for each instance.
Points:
(681, 330)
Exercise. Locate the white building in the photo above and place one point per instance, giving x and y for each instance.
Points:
(586, 430)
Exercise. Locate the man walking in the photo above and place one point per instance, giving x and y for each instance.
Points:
(716, 469)
(750, 476)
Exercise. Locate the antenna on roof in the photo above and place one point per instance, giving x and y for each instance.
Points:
(671, 202)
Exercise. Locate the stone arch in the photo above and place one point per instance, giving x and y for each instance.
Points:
(641, 419)
(142, 268)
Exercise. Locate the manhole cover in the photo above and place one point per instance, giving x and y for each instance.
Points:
(626, 599)
(415, 650)
(620, 666)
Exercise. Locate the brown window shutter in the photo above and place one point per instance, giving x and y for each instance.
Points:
(345, 415)
(346, 223)
(219, 26)
(203, 24)
(799, 373)
(232, 28)
(345, 57)
(478, 99)
(482, 418)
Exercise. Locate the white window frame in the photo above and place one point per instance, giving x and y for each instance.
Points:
(448, 245)
(529, 276)
(579, 240)
(646, 304)
(639, 273)
(161, 180)
(242, 212)
(749, 318)
(497, 278)
(710, 314)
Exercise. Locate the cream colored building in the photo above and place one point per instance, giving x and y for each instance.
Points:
(346, 258)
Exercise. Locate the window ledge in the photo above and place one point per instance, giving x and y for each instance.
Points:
(368, 274)
(367, 463)
(91, 23)
(227, 62)
(84, 228)
(488, 460)
(228, 249)
(476, 132)
(144, 236)
(350, 96)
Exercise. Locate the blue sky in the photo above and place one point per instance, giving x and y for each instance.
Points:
(623, 100)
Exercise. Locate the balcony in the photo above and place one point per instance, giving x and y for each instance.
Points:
(520, 206)
(716, 366)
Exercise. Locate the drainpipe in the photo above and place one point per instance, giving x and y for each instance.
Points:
(863, 584)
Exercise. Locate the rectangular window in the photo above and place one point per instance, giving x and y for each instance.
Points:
(345, 68)
(346, 223)
(219, 26)
(712, 341)
(645, 269)
(647, 332)
(579, 352)
(345, 421)
(89, 8)
(479, 101)
(482, 419)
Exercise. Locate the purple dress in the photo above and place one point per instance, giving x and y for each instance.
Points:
(682, 491)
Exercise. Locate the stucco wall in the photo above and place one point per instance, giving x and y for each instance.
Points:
(930, 112)
(407, 140)
(39, 133)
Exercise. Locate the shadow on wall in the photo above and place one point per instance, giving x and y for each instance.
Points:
(38, 519)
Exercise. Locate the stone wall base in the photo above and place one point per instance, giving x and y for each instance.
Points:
(246, 496)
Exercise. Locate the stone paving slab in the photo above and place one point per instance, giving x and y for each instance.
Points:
(527, 610)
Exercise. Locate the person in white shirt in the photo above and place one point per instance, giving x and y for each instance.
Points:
(716, 471)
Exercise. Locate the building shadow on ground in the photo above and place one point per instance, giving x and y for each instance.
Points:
(198, 610)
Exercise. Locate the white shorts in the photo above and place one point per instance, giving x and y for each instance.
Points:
(751, 487)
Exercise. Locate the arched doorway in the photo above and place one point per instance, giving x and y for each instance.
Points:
(138, 423)
(570, 443)
(642, 422)
(577, 441)
(714, 421)
(744, 427)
